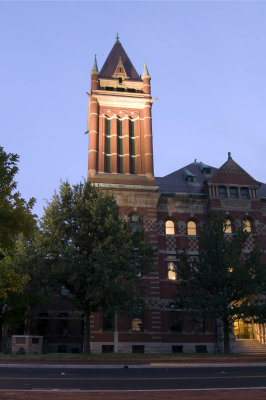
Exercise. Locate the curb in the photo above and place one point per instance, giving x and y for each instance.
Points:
(124, 366)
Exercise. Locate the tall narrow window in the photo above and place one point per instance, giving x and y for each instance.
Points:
(198, 322)
(171, 267)
(175, 322)
(169, 227)
(107, 145)
(63, 324)
(119, 145)
(108, 322)
(132, 146)
(233, 192)
(137, 323)
(222, 192)
(135, 221)
(246, 225)
(191, 228)
(244, 193)
(228, 226)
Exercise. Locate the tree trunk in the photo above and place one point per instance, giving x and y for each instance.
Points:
(226, 337)
(86, 332)
(115, 335)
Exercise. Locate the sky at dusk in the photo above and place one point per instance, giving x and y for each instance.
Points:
(207, 61)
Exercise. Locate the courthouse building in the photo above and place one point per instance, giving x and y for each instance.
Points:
(171, 209)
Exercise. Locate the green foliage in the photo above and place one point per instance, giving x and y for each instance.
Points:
(88, 248)
(15, 212)
(222, 279)
(16, 217)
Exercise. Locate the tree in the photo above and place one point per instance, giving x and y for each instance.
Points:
(15, 213)
(87, 247)
(15, 217)
(222, 280)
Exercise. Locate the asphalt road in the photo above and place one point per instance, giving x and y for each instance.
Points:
(132, 378)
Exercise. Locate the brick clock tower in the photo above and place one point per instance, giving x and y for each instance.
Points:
(119, 124)
(121, 161)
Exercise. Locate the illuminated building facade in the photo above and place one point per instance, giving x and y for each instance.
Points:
(170, 208)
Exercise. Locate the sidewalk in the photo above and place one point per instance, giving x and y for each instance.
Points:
(130, 361)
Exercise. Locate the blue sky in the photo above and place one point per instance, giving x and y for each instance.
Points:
(207, 61)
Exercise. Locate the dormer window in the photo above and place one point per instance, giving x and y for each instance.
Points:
(189, 177)
(205, 169)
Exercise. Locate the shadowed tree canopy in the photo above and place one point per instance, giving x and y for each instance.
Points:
(88, 248)
(15, 218)
(223, 280)
(15, 213)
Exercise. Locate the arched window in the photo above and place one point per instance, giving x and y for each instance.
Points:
(135, 221)
(246, 224)
(191, 228)
(169, 227)
(228, 226)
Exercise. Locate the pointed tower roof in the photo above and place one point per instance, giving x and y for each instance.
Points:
(95, 66)
(145, 70)
(110, 65)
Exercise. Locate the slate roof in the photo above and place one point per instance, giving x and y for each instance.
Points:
(176, 181)
(111, 62)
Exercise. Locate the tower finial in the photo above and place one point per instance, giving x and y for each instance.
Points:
(117, 37)
(145, 70)
(229, 155)
(95, 66)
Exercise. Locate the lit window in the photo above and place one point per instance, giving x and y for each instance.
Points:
(171, 268)
(244, 193)
(228, 226)
(222, 192)
(169, 227)
(137, 324)
(246, 225)
(191, 228)
(233, 193)
(198, 322)
(134, 221)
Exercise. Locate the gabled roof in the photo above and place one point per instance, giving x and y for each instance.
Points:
(176, 181)
(112, 60)
(231, 172)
